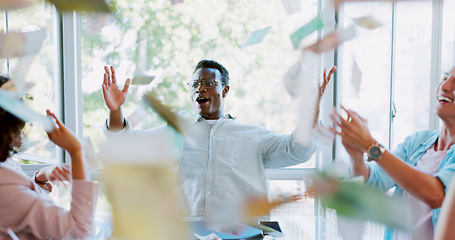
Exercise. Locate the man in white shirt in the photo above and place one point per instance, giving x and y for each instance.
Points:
(228, 160)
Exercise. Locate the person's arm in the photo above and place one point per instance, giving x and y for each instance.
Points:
(63, 138)
(358, 165)
(32, 208)
(425, 187)
(355, 133)
(32, 211)
(61, 172)
(283, 150)
(114, 99)
(321, 90)
(445, 229)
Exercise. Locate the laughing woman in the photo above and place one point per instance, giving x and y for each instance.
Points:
(421, 168)
(25, 207)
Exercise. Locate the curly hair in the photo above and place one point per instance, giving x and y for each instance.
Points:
(9, 126)
(216, 65)
(3, 80)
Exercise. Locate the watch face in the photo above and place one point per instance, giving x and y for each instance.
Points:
(375, 152)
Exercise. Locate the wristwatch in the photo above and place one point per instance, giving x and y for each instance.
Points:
(375, 152)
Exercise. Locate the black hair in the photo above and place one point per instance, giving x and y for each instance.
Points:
(216, 65)
(3, 80)
(9, 125)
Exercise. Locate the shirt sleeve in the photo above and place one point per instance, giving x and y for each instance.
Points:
(36, 213)
(380, 179)
(282, 150)
(128, 131)
(445, 174)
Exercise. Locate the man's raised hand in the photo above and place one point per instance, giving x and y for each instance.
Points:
(113, 96)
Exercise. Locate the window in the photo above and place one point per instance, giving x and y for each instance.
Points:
(298, 219)
(43, 73)
(412, 69)
(400, 64)
(167, 41)
(371, 50)
(447, 35)
(396, 62)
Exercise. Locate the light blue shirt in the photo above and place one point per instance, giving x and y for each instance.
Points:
(411, 150)
(227, 162)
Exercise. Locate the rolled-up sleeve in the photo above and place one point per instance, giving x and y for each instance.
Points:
(410, 151)
(445, 174)
(378, 178)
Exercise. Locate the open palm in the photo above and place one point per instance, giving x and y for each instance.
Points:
(113, 96)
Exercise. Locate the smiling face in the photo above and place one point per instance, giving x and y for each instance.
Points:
(445, 94)
(208, 102)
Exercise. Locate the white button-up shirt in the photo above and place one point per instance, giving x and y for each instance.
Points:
(227, 162)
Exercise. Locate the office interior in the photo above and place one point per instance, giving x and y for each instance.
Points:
(388, 73)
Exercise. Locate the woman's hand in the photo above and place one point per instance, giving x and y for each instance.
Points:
(325, 81)
(64, 138)
(61, 173)
(354, 131)
(354, 153)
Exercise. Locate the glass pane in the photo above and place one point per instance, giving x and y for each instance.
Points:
(367, 230)
(3, 62)
(412, 68)
(371, 50)
(297, 219)
(168, 41)
(448, 36)
(41, 73)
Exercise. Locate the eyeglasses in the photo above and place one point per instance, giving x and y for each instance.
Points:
(207, 83)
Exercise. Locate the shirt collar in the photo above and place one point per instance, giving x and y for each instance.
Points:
(430, 141)
(227, 116)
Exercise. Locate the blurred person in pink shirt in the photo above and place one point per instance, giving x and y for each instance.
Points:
(25, 207)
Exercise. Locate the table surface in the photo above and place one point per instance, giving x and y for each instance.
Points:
(292, 226)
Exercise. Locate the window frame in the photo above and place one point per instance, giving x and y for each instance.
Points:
(30, 169)
(68, 78)
(436, 42)
(435, 76)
